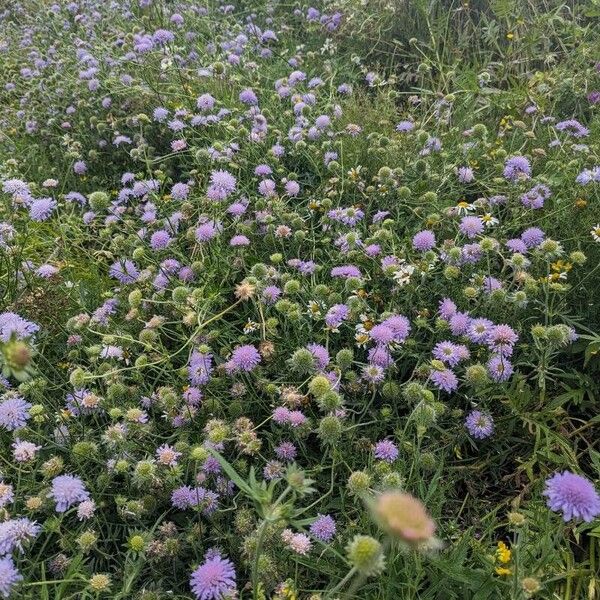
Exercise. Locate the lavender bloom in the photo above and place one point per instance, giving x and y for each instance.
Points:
(346, 271)
(40, 210)
(180, 191)
(479, 425)
(533, 237)
(200, 368)
(444, 380)
(67, 490)
(11, 324)
(573, 495)
(424, 240)
(320, 355)
(386, 450)
(125, 271)
(450, 353)
(323, 528)
(336, 315)
(499, 368)
(271, 294)
(517, 167)
(286, 451)
(465, 175)
(14, 411)
(573, 128)
(471, 226)
(16, 532)
(244, 358)
(9, 576)
(213, 579)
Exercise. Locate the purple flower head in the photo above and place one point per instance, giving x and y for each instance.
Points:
(499, 368)
(199, 368)
(247, 96)
(271, 294)
(465, 174)
(459, 323)
(14, 411)
(336, 315)
(386, 450)
(424, 240)
(346, 271)
(501, 339)
(67, 490)
(14, 533)
(11, 324)
(320, 355)
(450, 353)
(160, 240)
(286, 451)
(124, 271)
(9, 576)
(573, 128)
(533, 237)
(244, 358)
(573, 495)
(447, 308)
(40, 210)
(213, 579)
(180, 191)
(517, 167)
(479, 424)
(323, 528)
(405, 126)
(444, 380)
(471, 226)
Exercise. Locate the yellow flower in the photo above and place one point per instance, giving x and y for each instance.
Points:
(510, 36)
(503, 571)
(503, 553)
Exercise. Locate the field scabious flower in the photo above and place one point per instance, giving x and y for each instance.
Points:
(479, 424)
(16, 532)
(244, 358)
(572, 495)
(386, 450)
(214, 579)
(323, 528)
(424, 240)
(67, 490)
(516, 168)
(14, 411)
(9, 576)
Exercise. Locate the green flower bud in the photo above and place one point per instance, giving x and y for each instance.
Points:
(365, 554)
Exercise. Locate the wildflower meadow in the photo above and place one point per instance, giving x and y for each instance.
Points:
(299, 300)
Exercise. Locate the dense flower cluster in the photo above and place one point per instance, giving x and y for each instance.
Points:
(256, 297)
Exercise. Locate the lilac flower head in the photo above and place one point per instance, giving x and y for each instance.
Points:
(244, 358)
(320, 355)
(124, 271)
(336, 315)
(424, 240)
(444, 380)
(573, 495)
(323, 528)
(533, 237)
(14, 411)
(40, 210)
(9, 576)
(479, 424)
(11, 324)
(386, 450)
(517, 167)
(67, 490)
(14, 533)
(213, 579)
(471, 226)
